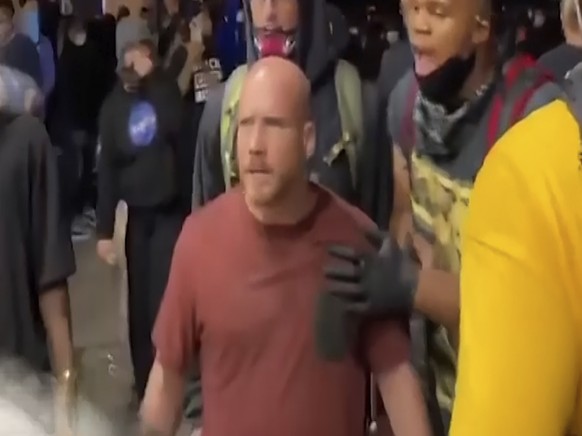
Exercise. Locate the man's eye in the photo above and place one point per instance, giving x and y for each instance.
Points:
(438, 10)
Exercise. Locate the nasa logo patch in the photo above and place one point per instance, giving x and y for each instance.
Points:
(143, 124)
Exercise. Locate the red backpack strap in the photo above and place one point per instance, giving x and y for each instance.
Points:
(522, 78)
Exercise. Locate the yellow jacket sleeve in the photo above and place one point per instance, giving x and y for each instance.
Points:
(518, 368)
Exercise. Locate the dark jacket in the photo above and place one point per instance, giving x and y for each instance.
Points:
(81, 86)
(139, 141)
(318, 54)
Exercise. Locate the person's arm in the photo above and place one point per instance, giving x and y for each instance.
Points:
(53, 252)
(175, 340)
(437, 297)
(388, 346)
(107, 189)
(208, 179)
(194, 51)
(519, 365)
(54, 262)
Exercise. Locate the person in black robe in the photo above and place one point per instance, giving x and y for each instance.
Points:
(36, 255)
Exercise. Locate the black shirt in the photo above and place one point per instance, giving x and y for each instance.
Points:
(561, 59)
(35, 246)
(81, 86)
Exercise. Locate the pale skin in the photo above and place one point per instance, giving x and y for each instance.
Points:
(275, 101)
(56, 316)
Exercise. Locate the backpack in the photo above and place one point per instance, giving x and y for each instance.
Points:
(522, 77)
(348, 87)
(573, 97)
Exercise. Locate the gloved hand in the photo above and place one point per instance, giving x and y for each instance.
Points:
(362, 286)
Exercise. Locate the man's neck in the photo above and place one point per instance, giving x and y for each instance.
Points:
(292, 209)
(573, 39)
(481, 75)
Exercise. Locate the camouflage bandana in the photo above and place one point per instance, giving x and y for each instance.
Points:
(435, 123)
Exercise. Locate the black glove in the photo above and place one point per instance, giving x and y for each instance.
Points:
(360, 286)
(380, 283)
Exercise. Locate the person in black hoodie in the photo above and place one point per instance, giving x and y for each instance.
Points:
(139, 128)
(79, 92)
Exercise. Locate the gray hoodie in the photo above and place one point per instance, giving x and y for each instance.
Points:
(317, 51)
(129, 30)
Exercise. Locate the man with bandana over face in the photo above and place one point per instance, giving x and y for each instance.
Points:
(300, 30)
(139, 128)
(444, 116)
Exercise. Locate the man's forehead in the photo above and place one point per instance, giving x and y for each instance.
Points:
(263, 108)
(451, 4)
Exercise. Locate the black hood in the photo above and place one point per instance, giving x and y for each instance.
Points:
(316, 52)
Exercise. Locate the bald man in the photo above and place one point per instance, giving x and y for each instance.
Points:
(244, 306)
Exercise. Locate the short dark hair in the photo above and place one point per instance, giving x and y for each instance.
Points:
(7, 6)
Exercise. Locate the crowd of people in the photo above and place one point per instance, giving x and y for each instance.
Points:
(305, 249)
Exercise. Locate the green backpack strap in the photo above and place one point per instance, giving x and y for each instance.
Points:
(348, 86)
(230, 100)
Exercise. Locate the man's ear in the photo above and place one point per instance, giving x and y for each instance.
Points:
(482, 31)
(309, 138)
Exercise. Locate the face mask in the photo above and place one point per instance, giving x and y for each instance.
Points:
(443, 85)
(275, 43)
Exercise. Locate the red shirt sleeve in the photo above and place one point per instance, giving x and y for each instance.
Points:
(387, 344)
(175, 337)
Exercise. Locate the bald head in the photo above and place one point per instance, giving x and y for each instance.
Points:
(280, 79)
(275, 135)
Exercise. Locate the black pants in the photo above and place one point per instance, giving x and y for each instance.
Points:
(77, 163)
(149, 245)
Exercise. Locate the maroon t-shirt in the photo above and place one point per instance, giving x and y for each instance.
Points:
(242, 296)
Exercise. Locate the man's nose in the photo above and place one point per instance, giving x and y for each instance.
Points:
(256, 141)
(270, 12)
(418, 22)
